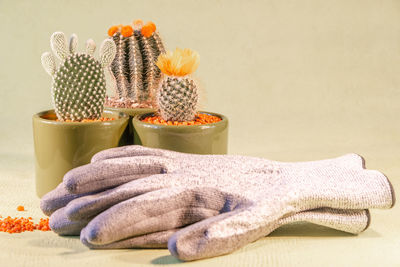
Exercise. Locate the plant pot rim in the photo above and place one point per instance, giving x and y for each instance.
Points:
(137, 121)
(122, 117)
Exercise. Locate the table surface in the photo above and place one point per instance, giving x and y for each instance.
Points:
(298, 244)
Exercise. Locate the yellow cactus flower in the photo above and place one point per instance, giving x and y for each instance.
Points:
(181, 62)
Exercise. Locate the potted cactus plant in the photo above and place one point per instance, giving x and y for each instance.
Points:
(133, 70)
(77, 128)
(177, 125)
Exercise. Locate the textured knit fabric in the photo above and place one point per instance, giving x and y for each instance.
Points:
(351, 221)
(250, 197)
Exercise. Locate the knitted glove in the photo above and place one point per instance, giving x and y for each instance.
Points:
(248, 195)
(54, 205)
(252, 195)
(59, 197)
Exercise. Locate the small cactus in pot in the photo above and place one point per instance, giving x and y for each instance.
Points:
(79, 85)
(77, 128)
(178, 125)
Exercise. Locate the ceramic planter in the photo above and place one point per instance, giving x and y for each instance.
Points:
(127, 137)
(62, 146)
(198, 139)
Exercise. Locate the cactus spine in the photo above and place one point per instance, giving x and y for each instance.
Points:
(178, 95)
(78, 87)
(133, 69)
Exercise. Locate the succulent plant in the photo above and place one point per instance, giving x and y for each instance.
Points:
(79, 86)
(178, 95)
(134, 70)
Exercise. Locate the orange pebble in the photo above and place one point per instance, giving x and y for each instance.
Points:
(112, 30)
(20, 208)
(127, 31)
(19, 225)
(199, 119)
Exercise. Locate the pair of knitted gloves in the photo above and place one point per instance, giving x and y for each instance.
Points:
(207, 205)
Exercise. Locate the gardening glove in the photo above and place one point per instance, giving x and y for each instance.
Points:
(53, 204)
(248, 206)
(60, 197)
(254, 201)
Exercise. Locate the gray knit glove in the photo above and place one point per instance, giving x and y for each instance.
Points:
(70, 218)
(53, 203)
(253, 195)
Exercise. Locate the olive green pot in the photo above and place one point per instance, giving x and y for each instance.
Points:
(127, 137)
(198, 139)
(62, 146)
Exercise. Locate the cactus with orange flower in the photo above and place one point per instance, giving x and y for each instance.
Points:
(178, 95)
(134, 70)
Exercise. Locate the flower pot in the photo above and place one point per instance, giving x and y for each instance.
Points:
(127, 137)
(198, 139)
(62, 146)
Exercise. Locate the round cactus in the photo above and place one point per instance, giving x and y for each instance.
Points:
(177, 99)
(178, 95)
(79, 85)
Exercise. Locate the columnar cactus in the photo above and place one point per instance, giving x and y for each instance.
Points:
(136, 75)
(79, 85)
(178, 95)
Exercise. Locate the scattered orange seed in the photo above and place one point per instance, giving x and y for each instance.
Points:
(127, 31)
(112, 30)
(19, 225)
(20, 208)
(201, 118)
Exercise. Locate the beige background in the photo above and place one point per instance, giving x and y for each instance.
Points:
(299, 80)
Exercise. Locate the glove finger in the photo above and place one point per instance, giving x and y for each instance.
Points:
(219, 235)
(91, 205)
(129, 151)
(112, 172)
(230, 231)
(350, 221)
(56, 199)
(155, 211)
(60, 224)
(153, 240)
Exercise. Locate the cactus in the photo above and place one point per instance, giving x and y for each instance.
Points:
(133, 69)
(178, 95)
(79, 86)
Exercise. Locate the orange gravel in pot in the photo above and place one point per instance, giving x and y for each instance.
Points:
(200, 119)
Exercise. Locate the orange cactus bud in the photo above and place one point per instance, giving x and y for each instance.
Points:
(138, 24)
(148, 29)
(127, 31)
(152, 25)
(112, 30)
